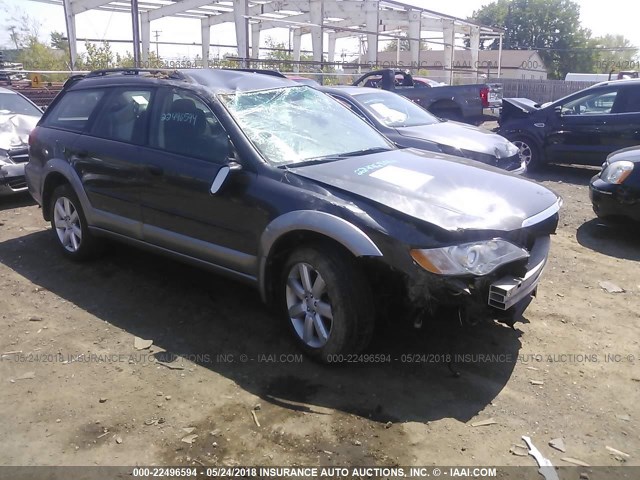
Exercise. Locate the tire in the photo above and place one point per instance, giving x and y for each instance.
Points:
(529, 152)
(69, 226)
(326, 302)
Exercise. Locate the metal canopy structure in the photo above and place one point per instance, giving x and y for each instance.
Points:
(333, 19)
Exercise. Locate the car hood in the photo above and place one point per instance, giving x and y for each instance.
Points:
(450, 192)
(460, 135)
(15, 130)
(513, 108)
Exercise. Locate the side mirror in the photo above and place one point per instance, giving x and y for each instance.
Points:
(558, 110)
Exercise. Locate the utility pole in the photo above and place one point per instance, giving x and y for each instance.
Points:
(156, 34)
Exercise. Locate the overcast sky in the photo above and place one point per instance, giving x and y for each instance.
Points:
(612, 16)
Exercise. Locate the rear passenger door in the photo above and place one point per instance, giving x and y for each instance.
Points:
(107, 159)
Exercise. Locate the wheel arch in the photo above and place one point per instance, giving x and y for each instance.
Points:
(59, 172)
(303, 227)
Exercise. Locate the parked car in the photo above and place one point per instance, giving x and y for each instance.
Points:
(304, 80)
(583, 128)
(18, 116)
(276, 184)
(408, 125)
(473, 104)
(615, 191)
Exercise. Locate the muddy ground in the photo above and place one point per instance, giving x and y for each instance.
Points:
(75, 391)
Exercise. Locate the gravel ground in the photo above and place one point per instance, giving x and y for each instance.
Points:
(223, 385)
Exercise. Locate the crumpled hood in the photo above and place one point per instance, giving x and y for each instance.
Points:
(514, 108)
(15, 130)
(462, 136)
(450, 192)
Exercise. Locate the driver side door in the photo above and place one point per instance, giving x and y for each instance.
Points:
(188, 203)
(583, 131)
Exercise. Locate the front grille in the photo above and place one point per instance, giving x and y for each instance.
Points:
(17, 184)
(19, 155)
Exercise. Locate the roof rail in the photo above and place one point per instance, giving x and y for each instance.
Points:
(273, 73)
(175, 74)
(71, 80)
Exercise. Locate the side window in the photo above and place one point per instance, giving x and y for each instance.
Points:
(124, 116)
(182, 123)
(73, 110)
(591, 104)
(628, 101)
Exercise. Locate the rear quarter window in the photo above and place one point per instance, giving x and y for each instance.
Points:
(74, 110)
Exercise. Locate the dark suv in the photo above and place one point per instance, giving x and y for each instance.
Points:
(277, 184)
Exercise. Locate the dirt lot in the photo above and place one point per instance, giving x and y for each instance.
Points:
(79, 393)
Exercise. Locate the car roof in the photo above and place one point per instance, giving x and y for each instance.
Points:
(215, 80)
(624, 81)
(7, 90)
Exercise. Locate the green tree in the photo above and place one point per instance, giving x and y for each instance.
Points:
(550, 26)
(59, 40)
(614, 52)
(405, 45)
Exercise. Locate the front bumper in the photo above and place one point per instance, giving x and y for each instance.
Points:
(612, 200)
(12, 178)
(509, 290)
(502, 295)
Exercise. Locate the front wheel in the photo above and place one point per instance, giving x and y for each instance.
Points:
(326, 302)
(529, 153)
(70, 225)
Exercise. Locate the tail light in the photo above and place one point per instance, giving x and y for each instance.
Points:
(484, 96)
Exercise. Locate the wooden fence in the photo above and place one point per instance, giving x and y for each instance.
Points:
(540, 91)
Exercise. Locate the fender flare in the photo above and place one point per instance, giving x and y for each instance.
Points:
(336, 228)
(63, 168)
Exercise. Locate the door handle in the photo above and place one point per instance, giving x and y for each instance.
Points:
(154, 170)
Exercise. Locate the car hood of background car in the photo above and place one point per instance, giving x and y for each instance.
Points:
(460, 135)
(449, 192)
(15, 129)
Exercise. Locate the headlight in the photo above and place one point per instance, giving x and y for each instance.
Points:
(477, 258)
(617, 172)
(512, 149)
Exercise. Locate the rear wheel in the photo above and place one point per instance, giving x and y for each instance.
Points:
(326, 302)
(69, 225)
(529, 153)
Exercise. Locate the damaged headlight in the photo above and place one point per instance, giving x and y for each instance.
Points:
(617, 172)
(476, 258)
(512, 150)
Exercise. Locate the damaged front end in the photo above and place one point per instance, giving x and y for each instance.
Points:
(14, 151)
(500, 288)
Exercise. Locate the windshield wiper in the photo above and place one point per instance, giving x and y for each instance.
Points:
(333, 158)
(366, 151)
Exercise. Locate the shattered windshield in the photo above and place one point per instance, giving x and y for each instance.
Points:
(13, 103)
(393, 110)
(293, 125)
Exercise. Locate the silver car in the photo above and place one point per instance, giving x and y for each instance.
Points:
(18, 116)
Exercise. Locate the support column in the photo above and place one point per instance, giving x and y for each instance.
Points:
(475, 51)
(500, 57)
(70, 20)
(205, 36)
(145, 33)
(240, 12)
(331, 56)
(297, 46)
(371, 18)
(316, 16)
(448, 34)
(415, 19)
(135, 24)
(255, 40)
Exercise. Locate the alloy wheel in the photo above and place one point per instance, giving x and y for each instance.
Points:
(308, 305)
(525, 151)
(67, 224)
